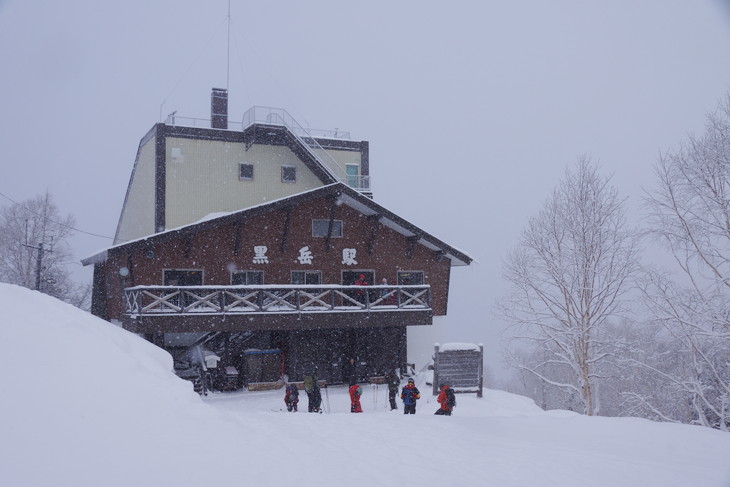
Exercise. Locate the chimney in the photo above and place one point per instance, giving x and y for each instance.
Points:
(219, 109)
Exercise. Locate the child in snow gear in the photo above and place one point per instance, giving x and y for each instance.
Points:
(393, 381)
(291, 397)
(447, 401)
(311, 387)
(410, 395)
(355, 393)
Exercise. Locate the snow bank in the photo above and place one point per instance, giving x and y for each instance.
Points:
(85, 403)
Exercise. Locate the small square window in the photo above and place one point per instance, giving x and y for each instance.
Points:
(176, 154)
(320, 228)
(245, 171)
(288, 174)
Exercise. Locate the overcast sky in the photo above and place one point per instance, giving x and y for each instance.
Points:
(473, 110)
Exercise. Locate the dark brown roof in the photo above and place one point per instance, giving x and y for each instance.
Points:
(346, 195)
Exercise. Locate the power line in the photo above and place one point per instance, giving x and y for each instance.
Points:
(54, 221)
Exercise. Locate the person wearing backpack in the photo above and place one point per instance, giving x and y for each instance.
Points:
(447, 401)
(393, 381)
(291, 397)
(311, 387)
(355, 393)
(410, 395)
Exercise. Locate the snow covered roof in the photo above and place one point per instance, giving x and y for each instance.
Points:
(345, 195)
(453, 347)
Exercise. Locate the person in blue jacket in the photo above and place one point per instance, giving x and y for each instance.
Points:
(410, 394)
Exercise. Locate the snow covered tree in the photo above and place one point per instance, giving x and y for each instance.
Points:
(34, 250)
(690, 215)
(569, 275)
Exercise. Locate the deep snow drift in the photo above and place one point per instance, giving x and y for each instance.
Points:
(85, 403)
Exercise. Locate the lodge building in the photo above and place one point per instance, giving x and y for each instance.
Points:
(246, 243)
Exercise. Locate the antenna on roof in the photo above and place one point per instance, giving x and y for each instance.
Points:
(228, 63)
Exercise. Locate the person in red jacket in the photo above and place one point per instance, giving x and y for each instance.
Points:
(360, 293)
(446, 400)
(355, 393)
(291, 397)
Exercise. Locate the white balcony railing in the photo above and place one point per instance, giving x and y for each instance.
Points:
(193, 300)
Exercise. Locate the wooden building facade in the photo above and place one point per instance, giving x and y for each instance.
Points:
(268, 288)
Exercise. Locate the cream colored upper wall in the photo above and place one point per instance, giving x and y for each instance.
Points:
(138, 214)
(202, 178)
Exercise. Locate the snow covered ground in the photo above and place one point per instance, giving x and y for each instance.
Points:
(85, 403)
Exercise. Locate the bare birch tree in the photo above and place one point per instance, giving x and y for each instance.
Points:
(568, 276)
(34, 249)
(690, 214)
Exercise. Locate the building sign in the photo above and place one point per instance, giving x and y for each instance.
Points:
(305, 255)
(348, 256)
(259, 256)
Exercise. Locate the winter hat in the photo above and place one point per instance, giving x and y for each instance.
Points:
(411, 381)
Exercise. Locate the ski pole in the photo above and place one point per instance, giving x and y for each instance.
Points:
(327, 395)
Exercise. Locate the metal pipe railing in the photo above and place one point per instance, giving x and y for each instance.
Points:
(279, 116)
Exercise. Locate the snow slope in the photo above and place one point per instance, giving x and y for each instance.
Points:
(85, 403)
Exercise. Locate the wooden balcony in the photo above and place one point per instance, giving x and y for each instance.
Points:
(272, 307)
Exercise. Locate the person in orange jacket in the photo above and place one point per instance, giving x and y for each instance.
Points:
(446, 400)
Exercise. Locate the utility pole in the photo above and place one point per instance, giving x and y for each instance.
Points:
(38, 265)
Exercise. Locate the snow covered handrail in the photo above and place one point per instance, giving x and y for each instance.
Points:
(279, 116)
(166, 300)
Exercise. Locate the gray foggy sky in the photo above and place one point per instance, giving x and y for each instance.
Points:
(472, 109)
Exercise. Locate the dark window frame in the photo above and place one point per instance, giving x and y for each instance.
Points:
(260, 274)
(323, 227)
(291, 177)
(166, 273)
(249, 169)
(401, 277)
(306, 274)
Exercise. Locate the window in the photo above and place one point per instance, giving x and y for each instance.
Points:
(182, 277)
(288, 174)
(306, 277)
(247, 278)
(353, 175)
(320, 228)
(177, 155)
(413, 278)
(245, 171)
